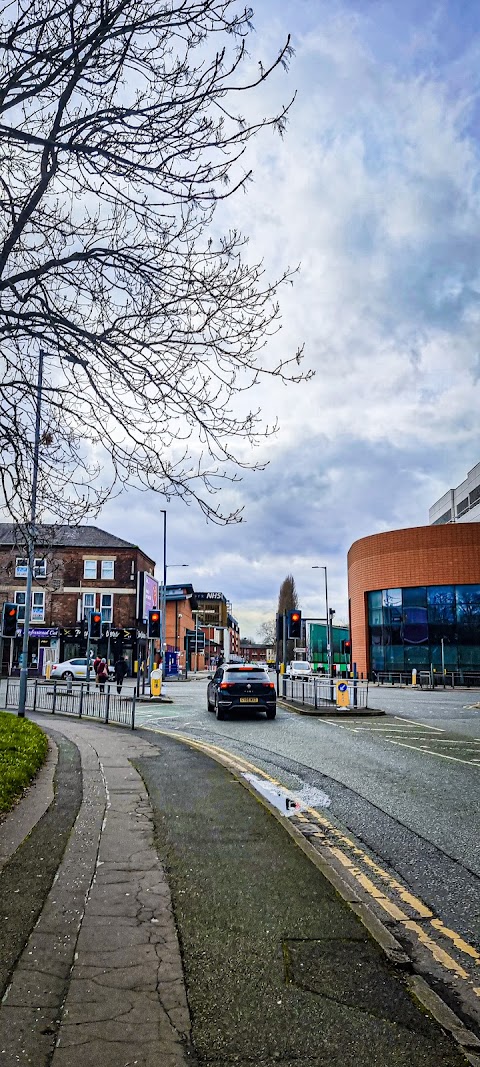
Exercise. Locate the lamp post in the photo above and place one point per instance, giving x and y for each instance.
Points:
(30, 529)
(320, 567)
(22, 695)
(197, 612)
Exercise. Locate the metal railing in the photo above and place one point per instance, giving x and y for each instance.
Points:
(321, 692)
(77, 700)
(430, 679)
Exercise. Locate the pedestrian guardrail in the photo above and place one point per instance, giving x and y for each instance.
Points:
(322, 692)
(77, 700)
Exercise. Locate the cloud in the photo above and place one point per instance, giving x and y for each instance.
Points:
(375, 190)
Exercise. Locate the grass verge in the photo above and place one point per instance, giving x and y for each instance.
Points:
(23, 749)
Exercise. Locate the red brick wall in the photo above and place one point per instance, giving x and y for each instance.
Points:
(422, 555)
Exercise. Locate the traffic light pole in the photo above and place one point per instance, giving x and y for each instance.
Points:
(22, 695)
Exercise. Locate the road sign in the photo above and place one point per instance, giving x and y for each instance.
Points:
(343, 696)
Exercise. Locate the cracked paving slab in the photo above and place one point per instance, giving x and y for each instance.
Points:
(100, 980)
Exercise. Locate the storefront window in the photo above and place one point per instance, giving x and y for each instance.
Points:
(421, 626)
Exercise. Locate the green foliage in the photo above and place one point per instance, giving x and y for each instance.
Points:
(23, 749)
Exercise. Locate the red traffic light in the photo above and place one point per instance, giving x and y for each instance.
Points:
(154, 616)
(96, 617)
(295, 616)
(12, 612)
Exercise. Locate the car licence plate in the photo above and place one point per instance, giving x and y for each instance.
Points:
(249, 700)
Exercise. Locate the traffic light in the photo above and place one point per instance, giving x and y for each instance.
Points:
(295, 623)
(154, 624)
(95, 625)
(9, 620)
(346, 647)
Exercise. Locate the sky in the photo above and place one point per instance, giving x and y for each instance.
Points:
(375, 192)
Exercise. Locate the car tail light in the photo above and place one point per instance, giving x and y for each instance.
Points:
(226, 685)
(268, 685)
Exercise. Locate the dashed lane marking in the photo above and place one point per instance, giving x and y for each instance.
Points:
(402, 736)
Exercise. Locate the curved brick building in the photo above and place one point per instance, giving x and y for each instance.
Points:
(414, 593)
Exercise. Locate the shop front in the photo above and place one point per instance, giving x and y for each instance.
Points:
(129, 643)
(43, 646)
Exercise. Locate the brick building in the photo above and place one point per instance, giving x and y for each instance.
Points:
(76, 568)
(414, 599)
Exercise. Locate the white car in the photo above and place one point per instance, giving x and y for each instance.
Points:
(299, 669)
(73, 668)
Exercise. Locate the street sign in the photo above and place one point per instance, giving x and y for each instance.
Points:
(343, 696)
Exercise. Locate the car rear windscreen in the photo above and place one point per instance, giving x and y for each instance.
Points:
(242, 675)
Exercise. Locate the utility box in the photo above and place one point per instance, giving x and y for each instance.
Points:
(156, 683)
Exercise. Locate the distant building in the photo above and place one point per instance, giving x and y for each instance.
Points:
(414, 598)
(215, 618)
(458, 505)
(316, 650)
(77, 568)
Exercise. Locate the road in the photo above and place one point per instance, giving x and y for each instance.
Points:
(397, 796)
(405, 786)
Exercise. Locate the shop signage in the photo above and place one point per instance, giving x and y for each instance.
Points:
(40, 631)
(129, 633)
(74, 631)
(210, 596)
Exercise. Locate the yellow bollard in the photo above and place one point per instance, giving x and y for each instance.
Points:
(155, 683)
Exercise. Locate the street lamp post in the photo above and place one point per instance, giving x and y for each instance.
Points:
(320, 567)
(22, 696)
(197, 612)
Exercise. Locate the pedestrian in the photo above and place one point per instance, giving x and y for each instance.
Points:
(96, 663)
(121, 669)
(102, 675)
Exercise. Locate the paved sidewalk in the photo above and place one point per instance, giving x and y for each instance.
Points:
(274, 969)
(100, 978)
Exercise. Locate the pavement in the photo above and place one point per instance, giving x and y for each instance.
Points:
(156, 913)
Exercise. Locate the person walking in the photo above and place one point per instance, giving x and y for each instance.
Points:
(121, 669)
(96, 663)
(102, 675)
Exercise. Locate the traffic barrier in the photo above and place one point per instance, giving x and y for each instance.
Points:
(78, 700)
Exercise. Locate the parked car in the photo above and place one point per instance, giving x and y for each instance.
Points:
(299, 668)
(75, 668)
(241, 688)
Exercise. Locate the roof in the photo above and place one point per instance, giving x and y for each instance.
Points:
(64, 536)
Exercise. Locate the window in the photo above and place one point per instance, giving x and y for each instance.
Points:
(446, 517)
(88, 603)
(462, 506)
(106, 607)
(20, 602)
(108, 567)
(90, 568)
(21, 568)
(39, 568)
(38, 607)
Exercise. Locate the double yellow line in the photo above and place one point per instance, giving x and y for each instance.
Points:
(351, 858)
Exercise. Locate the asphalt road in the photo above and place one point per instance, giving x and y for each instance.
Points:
(405, 784)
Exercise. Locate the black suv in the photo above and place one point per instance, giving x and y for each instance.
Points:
(235, 687)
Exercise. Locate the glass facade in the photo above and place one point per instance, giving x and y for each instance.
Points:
(408, 627)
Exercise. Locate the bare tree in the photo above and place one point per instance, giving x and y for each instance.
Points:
(267, 632)
(120, 132)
